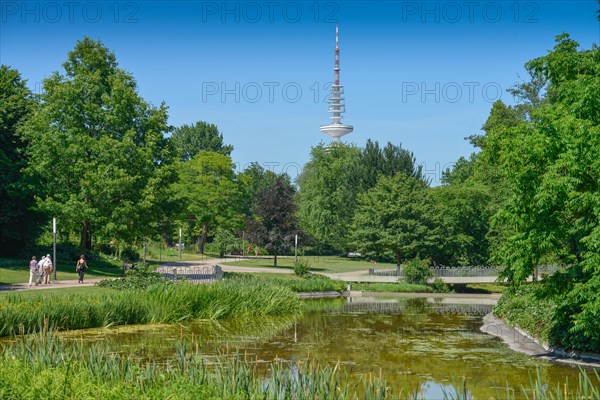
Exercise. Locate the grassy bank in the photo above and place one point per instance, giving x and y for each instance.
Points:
(56, 369)
(157, 304)
(320, 283)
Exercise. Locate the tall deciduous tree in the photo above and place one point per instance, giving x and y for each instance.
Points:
(552, 167)
(390, 160)
(190, 140)
(99, 149)
(18, 222)
(395, 218)
(211, 196)
(275, 224)
(463, 214)
(327, 196)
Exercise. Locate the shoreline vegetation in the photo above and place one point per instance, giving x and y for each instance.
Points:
(59, 369)
(162, 303)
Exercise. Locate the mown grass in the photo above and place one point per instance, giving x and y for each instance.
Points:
(156, 304)
(17, 270)
(309, 283)
(484, 288)
(43, 366)
(155, 254)
(400, 287)
(315, 263)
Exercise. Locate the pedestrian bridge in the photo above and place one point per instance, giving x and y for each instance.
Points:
(451, 275)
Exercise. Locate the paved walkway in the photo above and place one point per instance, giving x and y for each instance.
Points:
(53, 285)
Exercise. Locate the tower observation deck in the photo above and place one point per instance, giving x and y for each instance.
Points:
(336, 102)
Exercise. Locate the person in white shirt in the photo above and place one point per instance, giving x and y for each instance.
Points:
(40, 270)
(32, 270)
(48, 268)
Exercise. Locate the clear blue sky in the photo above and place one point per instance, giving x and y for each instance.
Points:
(423, 74)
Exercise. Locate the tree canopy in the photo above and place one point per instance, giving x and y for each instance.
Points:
(98, 149)
(190, 140)
(18, 222)
(274, 225)
(395, 217)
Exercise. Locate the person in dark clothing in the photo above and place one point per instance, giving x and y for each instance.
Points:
(80, 267)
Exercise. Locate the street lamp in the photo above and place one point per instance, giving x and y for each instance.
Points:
(179, 244)
(54, 245)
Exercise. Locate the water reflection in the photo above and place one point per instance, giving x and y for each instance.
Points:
(421, 346)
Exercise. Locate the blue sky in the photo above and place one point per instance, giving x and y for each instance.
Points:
(423, 74)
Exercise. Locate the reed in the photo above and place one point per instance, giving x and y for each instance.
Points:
(43, 365)
(157, 304)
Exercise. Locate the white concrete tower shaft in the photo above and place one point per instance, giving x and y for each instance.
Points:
(336, 102)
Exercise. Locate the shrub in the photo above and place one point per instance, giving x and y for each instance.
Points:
(301, 267)
(417, 271)
(129, 254)
(135, 279)
(439, 286)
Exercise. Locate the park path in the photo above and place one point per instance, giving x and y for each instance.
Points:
(53, 285)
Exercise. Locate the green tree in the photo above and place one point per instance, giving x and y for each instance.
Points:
(327, 196)
(18, 222)
(98, 149)
(395, 218)
(463, 213)
(275, 224)
(388, 161)
(190, 140)
(254, 180)
(211, 196)
(552, 167)
(225, 241)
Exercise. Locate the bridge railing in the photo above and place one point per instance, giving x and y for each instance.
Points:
(194, 274)
(456, 272)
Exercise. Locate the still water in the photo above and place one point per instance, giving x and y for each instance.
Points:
(418, 345)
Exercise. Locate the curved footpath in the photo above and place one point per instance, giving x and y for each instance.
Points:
(520, 341)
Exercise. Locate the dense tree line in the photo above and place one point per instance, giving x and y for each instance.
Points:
(93, 153)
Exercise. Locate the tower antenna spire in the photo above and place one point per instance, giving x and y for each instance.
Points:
(336, 102)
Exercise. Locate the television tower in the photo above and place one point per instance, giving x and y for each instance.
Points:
(336, 102)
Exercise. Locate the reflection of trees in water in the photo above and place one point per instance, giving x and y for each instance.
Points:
(414, 342)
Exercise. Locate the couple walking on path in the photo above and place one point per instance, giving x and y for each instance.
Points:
(41, 270)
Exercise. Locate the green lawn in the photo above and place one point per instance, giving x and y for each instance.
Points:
(485, 288)
(316, 263)
(156, 255)
(17, 271)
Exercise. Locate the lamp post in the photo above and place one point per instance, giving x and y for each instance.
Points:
(296, 248)
(54, 245)
(179, 244)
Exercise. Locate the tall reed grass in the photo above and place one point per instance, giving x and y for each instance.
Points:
(46, 366)
(156, 304)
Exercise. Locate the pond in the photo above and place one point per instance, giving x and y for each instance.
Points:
(418, 345)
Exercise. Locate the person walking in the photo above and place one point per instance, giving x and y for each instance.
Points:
(80, 267)
(40, 270)
(48, 268)
(32, 270)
